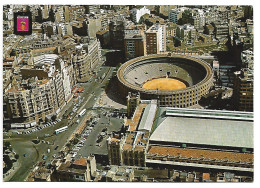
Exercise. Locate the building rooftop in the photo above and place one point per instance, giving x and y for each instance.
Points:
(212, 114)
(201, 154)
(133, 123)
(179, 128)
(81, 161)
(148, 117)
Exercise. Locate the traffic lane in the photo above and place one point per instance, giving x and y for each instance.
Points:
(54, 140)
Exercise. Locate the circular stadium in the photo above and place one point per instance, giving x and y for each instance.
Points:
(175, 80)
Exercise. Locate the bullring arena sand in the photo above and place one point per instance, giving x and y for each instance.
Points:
(164, 84)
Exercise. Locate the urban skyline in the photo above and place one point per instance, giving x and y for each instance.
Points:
(128, 93)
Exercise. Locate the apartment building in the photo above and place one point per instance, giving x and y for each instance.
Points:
(34, 101)
(156, 39)
(243, 95)
(175, 15)
(186, 33)
(135, 44)
(81, 170)
(86, 58)
(138, 13)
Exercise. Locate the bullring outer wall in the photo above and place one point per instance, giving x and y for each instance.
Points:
(177, 98)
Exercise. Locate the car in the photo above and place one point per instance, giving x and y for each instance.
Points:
(76, 149)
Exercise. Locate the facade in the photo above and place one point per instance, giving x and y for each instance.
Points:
(199, 22)
(186, 34)
(81, 170)
(42, 92)
(221, 30)
(138, 13)
(247, 58)
(135, 44)
(174, 15)
(156, 39)
(243, 90)
(86, 58)
(133, 101)
(32, 104)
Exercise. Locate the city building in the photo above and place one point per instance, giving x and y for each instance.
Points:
(243, 94)
(135, 44)
(133, 101)
(172, 137)
(221, 30)
(247, 57)
(186, 34)
(137, 13)
(81, 170)
(86, 59)
(174, 15)
(156, 39)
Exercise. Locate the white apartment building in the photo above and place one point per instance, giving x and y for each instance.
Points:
(156, 39)
(137, 13)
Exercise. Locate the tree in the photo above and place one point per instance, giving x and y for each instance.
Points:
(7, 144)
(16, 156)
(53, 118)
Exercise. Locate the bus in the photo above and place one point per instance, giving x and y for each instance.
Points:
(57, 131)
(82, 112)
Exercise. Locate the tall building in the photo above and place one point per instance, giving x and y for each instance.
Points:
(156, 39)
(186, 33)
(247, 57)
(243, 90)
(135, 44)
(133, 101)
(199, 22)
(86, 58)
(114, 151)
(42, 92)
(221, 30)
(36, 101)
(138, 13)
(174, 15)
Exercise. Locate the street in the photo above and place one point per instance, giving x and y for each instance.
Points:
(22, 144)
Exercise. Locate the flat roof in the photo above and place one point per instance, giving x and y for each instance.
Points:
(212, 114)
(148, 117)
(201, 154)
(218, 132)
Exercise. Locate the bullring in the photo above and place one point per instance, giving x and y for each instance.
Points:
(195, 76)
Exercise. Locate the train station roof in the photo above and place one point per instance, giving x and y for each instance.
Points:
(207, 129)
